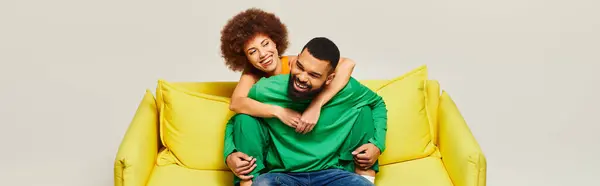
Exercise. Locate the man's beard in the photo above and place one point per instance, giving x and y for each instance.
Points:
(299, 96)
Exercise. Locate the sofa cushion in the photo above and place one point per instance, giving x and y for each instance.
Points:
(374, 84)
(180, 176)
(222, 89)
(137, 152)
(192, 126)
(408, 129)
(427, 171)
(433, 101)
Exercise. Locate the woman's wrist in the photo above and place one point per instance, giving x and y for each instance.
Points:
(317, 103)
(275, 110)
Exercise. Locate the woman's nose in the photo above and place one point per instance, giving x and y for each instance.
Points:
(261, 53)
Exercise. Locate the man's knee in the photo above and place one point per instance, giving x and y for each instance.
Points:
(249, 134)
(344, 178)
(264, 180)
(365, 120)
(359, 180)
(244, 121)
(245, 118)
(366, 111)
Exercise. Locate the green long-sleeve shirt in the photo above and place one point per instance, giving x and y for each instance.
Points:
(318, 149)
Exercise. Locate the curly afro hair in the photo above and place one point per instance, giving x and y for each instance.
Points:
(243, 27)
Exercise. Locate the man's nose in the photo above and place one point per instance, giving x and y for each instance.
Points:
(302, 78)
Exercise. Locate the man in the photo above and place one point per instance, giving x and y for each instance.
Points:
(351, 129)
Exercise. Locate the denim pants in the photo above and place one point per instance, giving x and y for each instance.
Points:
(329, 177)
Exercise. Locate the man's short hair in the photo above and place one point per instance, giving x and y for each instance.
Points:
(324, 49)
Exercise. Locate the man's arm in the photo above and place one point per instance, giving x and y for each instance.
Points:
(380, 122)
(343, 73)
(356, 95)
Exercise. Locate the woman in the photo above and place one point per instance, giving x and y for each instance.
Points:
(252, 42)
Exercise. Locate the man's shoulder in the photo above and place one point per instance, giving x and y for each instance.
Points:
(267, 88)
(353, 85)
(272, 81)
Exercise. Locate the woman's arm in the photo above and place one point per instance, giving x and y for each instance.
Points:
(310, 117)
(343, 71)
(240, 102)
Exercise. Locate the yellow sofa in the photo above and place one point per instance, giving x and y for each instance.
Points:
(428, 141)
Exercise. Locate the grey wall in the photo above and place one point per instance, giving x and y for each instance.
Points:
(521, 71)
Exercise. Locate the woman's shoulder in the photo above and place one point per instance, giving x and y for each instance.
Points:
(285, 59)
(285, 63)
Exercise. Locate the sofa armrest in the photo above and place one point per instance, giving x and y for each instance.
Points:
(137, 153)
(461, 154)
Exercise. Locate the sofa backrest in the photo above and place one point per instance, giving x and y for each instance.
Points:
(225, 89)
(412, 101)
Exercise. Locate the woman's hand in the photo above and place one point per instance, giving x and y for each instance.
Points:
(288, 116)
(309, 119)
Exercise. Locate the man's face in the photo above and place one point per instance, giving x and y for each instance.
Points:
(308, 76)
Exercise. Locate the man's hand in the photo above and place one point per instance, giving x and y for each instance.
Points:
(288, 116)
(366, 155)
(241, 165)
(309, 119)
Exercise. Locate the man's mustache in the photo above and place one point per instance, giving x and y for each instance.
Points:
(302, 83)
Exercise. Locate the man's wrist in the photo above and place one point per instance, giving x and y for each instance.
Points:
(375, 145)
(229, 155)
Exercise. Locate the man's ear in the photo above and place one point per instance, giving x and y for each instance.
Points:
(330, 78)
(292, 61)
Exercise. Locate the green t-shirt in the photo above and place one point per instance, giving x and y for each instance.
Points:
(318, 149)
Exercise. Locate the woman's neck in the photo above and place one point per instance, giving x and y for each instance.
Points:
(278, 69)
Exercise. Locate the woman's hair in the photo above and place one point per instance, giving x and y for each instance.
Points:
(243, 27)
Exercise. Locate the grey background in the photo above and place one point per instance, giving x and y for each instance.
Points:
(522, 72)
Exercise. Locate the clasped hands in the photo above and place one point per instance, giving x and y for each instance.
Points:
(303, 123)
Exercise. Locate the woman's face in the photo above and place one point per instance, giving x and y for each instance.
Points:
(262, 53)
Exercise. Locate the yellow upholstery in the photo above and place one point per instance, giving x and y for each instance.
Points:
(191, 122)
(407, 118)
(427, 171)
(461, 153)
(138, 151)
(433, 96)
(181, 176)
(428, 141)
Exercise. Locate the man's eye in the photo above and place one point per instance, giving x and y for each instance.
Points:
(267, 43)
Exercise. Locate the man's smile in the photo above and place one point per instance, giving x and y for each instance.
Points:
(303, 87)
